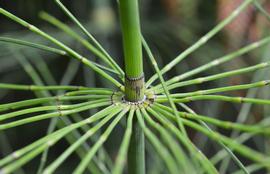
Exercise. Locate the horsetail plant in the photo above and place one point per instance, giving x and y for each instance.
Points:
(155, 117)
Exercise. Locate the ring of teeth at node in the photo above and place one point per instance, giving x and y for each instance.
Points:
(119, 98)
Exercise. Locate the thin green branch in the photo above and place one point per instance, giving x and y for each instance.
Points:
(38, 81)
(195, 153)
(39, 88)
(200, 80)
(88, 157)
(59, 113)
(201, 41)
(228, 150)
(171, 143)
(255, 129)
(48, 49)
(219, 98)
(164, 86)
(261, 9)
(36, 101)
(33, 45)
(219, 90)
(52, 20)
(220, 60)
(48, 141)
(56, 107)
(56, 163)
(251, 169)
(102, 91)
(123, 150)
(71, 52)
(232, 144)
(160, 148)
(74, 19)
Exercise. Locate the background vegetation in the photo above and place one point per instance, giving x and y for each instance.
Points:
(169, 26)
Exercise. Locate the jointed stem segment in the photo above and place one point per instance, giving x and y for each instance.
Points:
(130, 24)
(141, 108)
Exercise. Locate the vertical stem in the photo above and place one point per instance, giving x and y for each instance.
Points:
(136, 161)
(134, 79)
(130, 23)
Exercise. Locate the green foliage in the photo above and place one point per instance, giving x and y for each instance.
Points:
(155, 114)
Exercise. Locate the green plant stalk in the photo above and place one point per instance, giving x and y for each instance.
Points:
(219, 156)
(136, 156)
(134, 78)
(130, 24)
(54, 138)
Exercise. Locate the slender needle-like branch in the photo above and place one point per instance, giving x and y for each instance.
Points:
(74, 19)
(167, 93)
(71, 52)
(201, 41)
(171, 143)
(59, 113)
(52, 167)
(39, 88)
(48, 49)
(160, 148)
(83, 164)
(32, 102)
(47, 17)
(228, 150)
(232, 144)
(195, 153)
(219, 61)
(218, 90)
(219, 98)
(33, 45)
(123, 150)
(213, 77)
(261, 9)
(258, 129)
(48, 141)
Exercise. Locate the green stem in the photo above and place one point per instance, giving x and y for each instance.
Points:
(130, 23)
(136, 163)
(134, 78)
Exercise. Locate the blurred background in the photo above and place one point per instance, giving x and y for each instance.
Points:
(170, 26)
